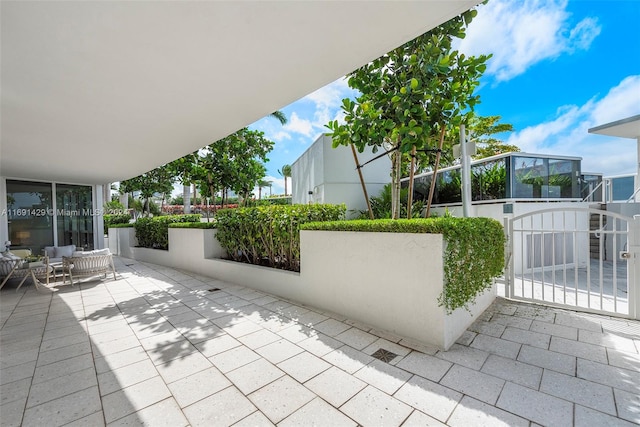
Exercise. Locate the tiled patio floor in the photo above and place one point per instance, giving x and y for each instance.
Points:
(161, 347)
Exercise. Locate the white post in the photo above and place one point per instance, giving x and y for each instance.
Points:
(637, 180)
(465, 161)
(633, 267)
(186, 198)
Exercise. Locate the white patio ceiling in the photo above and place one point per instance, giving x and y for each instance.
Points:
(96, 92)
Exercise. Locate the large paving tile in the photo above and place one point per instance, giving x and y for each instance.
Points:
(561, 331)
(356, 338)
(64, 409)
(383, 376)
(433, 399)
(126, 376)
(279, 350)
(583, 392)
(628, 405)
(535, 406)
(303, 366)
(12, 413)
(62, 368)
(335, 386)
(164, 413)
(371, 407)
(61, 386)
(183, 367)
(17, 390)
(234, 358)
(281, 398)
(217, 345)
(348, 359)
(254, 375)
(580, 349)
(610, 340)
(133, 398)
(476, 384)
(497, 346)
(548, 359)
(620, 378)
(429, 367)
(466, 356)
(198, 386)
(118, 360)
(320, 344)
(535, 339)
(317, 413)
(587, 417)
(256, 419)
(472, 412)
(420, 419)
(221, 409)
(514, 371)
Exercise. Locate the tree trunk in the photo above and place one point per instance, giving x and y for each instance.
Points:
(364, 187)
(396, 163)
(435, 173)
(411, 174)
(285, 185)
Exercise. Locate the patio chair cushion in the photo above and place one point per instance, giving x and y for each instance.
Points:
(21, 253)
(50, 251)
(94, 252)
(62, 251)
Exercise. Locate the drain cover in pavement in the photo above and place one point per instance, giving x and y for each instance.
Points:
(213, 289)
(384, 355)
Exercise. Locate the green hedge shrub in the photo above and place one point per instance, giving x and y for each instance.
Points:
(204, 225)
(128, 225)
(154, 232)
(474, 253)
(269, 235)
(111, 219)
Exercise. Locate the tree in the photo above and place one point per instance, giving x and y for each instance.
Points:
(482, 130)
(184, 169)
(279, 115)
(285, 172)
(233, 163)
(411, 97)
(156, 181)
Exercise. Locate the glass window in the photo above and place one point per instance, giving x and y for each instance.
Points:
(562, 179)
(531, 178)
(489, 180)
(30, 215)
(75, 215)
(448, 187)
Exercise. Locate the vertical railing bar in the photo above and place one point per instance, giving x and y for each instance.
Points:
(564, 257)
(575, 251)
(553, 257)
(614, 285)
(589, 258)
(542, 260)
(532, 254)
(600, 260)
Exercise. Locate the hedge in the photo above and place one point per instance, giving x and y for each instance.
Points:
(269, 235)
(112, 219)
(154, 232)
(474, 252)
(205, 225)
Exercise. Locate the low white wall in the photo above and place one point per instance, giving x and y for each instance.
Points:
(390, 281)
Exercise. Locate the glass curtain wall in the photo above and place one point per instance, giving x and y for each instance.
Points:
(32, 215)
(75, 220)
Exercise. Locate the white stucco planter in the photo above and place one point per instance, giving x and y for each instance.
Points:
(390, 281)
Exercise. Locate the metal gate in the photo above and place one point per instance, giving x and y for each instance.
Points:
(579, 258)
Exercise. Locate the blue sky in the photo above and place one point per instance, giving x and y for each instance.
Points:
(559, 68)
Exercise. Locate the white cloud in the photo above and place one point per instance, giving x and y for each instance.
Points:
(280, 136)
(299, 125)
(521, 34)
(567, 133)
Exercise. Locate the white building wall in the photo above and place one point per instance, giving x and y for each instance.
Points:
(323, 174)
